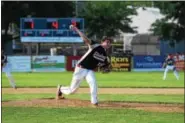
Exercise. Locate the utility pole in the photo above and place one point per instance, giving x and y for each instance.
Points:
(152, 4)
(76, 8)
(76, 15)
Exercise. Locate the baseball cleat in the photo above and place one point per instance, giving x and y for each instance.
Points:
(58, 93)
(95, 105)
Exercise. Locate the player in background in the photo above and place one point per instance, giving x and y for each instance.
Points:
(6, 68)
(95, 57)
(169, 64)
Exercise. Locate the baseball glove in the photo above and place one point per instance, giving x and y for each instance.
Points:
(106, 68)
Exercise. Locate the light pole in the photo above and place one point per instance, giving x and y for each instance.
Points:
(76, 8)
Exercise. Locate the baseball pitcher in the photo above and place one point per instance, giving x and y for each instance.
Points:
(95, 57)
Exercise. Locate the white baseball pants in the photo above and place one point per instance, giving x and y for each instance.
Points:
(78, 75)
(7, 69)
(172, 67)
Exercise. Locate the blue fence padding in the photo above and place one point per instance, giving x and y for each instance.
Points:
(148, 70)
(148, 61)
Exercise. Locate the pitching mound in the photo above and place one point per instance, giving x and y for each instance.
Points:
(83, 103)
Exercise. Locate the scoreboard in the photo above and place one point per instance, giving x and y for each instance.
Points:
(50, 29)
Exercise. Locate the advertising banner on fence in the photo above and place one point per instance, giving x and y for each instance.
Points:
(121, 64)
(148, 63)
(19, 63)
(71, 62)
(48, 63)
(179, 61)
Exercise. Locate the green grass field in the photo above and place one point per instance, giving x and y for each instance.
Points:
(157, 98)
(122, 79)
(12, 114)
(86, 115)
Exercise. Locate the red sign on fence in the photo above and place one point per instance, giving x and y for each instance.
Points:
(71, 62)
(179, 59)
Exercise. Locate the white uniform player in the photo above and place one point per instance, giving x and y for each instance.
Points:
(95, 57)
(7, 69)
(170, 65)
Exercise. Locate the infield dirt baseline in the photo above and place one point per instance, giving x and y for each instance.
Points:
(100, 90)
(53, 103)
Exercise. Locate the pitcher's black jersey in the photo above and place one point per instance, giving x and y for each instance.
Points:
(95, 57)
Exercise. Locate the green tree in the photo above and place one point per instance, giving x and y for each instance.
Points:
(172, 26)
(106, 18)
(11, 11)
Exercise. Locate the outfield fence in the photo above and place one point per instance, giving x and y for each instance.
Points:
(68, 63)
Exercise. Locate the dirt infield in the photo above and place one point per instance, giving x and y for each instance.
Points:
(100, 90)
(155, 107)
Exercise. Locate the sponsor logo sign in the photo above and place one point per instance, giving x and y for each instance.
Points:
(121, 63)
(179, 61)
(19, 63)
(48, 63)
(148, 61)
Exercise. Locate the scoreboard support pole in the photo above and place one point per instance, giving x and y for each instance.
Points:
(74, 50)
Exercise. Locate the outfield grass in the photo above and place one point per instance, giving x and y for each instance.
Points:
(91, 115)
(104, 97)
(114, 79)
(86, 115)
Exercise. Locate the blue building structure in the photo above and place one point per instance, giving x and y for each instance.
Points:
(165, 48)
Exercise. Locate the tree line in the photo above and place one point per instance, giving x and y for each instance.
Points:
(101, 18)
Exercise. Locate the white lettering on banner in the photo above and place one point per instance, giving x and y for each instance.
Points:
(40, 59)
(178, 57)
(175, 58)
(181, 57)
(74, 62)
(48, 63)
(44, 59)
(149, 64)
